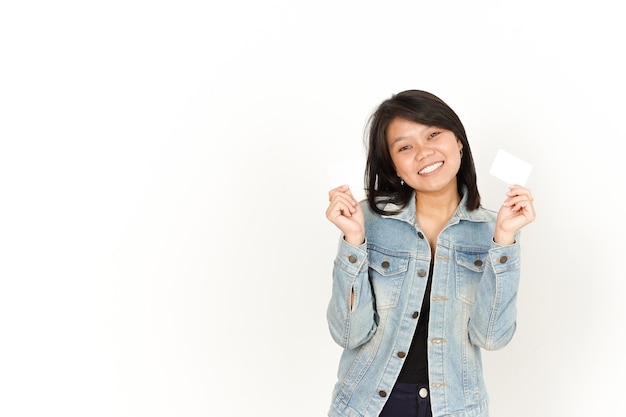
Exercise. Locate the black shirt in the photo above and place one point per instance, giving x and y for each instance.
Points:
(415, 368)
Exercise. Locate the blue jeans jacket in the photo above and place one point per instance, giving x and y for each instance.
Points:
(473, 306)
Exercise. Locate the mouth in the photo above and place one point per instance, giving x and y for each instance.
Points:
(430, 168)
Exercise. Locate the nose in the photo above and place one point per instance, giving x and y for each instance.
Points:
(423, 152)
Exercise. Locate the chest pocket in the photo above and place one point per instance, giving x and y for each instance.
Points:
(387, 272)
(470, 265)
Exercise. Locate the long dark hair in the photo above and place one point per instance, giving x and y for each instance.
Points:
(382, 184)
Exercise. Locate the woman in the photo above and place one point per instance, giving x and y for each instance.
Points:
(424, 276)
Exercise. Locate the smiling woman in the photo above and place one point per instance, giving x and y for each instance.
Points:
(424, 277)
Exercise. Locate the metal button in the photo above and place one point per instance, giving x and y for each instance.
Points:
(420, 235)
(382, 393)
(423, 392)
(478, 262)
(352, 259)
(385, 264)
(415, 314)
(503, 259)
(401, 354)
(421, 273)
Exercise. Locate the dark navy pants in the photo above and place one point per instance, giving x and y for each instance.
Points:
(408, 400)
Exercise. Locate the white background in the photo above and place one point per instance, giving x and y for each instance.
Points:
(163, 180)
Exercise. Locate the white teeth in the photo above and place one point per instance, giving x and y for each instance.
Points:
(430, 168)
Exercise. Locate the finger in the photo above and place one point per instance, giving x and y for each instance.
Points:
(344, 189)
(511, 201)
(335, 213)
(341, 206)
(349, 192)
(518, 190)
(524, 208)
(341, 188)
(517, 193)
(345, 198)
(342, 193)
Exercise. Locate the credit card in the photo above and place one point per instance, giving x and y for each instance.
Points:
(510, 169)
(348, 173)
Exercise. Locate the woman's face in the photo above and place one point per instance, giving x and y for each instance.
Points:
(427, 158)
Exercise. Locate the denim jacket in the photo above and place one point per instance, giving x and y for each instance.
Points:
(472, 306)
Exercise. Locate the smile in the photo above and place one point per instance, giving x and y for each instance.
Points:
(430, 168)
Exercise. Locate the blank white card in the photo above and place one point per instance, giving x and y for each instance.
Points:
(510, 169)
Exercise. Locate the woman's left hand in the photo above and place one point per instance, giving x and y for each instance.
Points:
(516, 212)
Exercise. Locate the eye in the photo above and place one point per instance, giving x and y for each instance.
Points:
(404, 148)
(433, 135)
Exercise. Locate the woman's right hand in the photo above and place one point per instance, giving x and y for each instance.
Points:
(346, 213)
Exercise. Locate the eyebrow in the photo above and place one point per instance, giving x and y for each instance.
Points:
(398, 139)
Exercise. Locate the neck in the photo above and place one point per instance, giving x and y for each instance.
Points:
(436, 206)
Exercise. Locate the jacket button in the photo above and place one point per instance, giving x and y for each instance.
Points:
(352, 259)
(415, 314)
(420, 235)
(421, 273)
(385, 264)
(382, 393)
(503, 259)
(478, 262)
(401, 354)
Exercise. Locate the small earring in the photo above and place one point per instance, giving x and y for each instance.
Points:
(401, 181)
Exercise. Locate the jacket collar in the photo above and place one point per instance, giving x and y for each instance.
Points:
(407, 214)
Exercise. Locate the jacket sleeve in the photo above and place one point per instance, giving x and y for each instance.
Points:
(351, 327)
(493, 317)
